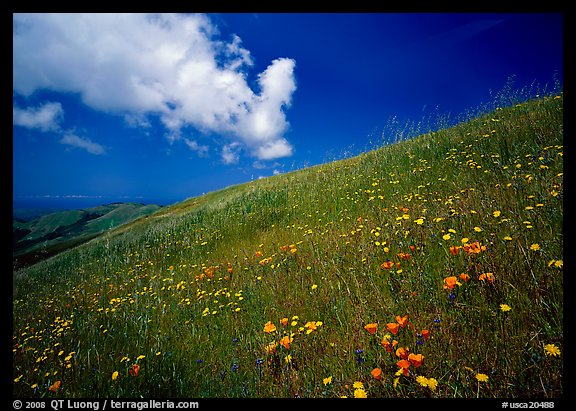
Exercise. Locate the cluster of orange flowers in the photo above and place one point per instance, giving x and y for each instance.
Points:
(288, 338)
(472, 248)
(407, 358)
(452, 281)
(401, 255)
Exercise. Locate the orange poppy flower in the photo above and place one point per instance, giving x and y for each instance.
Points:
(451, 282)
(404, 256)
(54, 387)
(371, 328)
(402, 320)
(377, 373)
(474, 248)
(286, 341)
(489, 277)
(425, 334)
(134, 370)
(284, 321)
(465, 277)
(386, 344)
(402, 352)
(269, 327)
(454, 249)
(416, 359)
(387, 265)
(393, 327)
(403, 365)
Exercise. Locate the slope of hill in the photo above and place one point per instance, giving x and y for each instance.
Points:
(428, 268)
(49, 234)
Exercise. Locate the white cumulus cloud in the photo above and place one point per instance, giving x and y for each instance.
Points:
(44, 118)
(174, 66)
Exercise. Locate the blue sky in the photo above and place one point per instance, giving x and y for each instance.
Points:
(160, 108)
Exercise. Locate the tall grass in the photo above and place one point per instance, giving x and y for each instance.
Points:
(447, 245)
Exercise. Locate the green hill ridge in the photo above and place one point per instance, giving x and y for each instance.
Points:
(432, 267)
(49, 234)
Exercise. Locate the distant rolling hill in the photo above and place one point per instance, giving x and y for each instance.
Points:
(46, 235)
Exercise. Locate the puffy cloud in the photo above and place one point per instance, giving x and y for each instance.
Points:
(173, 66)
(202, 150)
(231, 153)
(44, 118)
(83, 143)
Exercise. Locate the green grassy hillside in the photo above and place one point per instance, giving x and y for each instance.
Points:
(53, 233)
(428, 268)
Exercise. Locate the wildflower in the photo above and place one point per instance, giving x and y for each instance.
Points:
(474, 248)
(140, 357)
(535, 247)
(259, 362)
(402, 352)
(465, 277)
(235, 367)
(286, 341)
(359, 358)
(404, 256)
(505, 307)
(482, 377)
(419, 221)
(288, 359)
(507, 238)
(114, 375)
(477, 229)
(454, 249)
(269, 327)
(386, 343)
(446, 237)
(425, 334)
(54, 387)
(393, 327)
(377, 373)
(371, 328)
(271, 348)
(451, 282)
(432, 383)
(402, 320)
(551, 349)
(387, 265)
(360, 393)
(403, 366)
(423, 381)
(314, 286)
(358, 385)
(327, 380)
(487, 277)
(416, 359)
(134, 370)
(284, 321)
